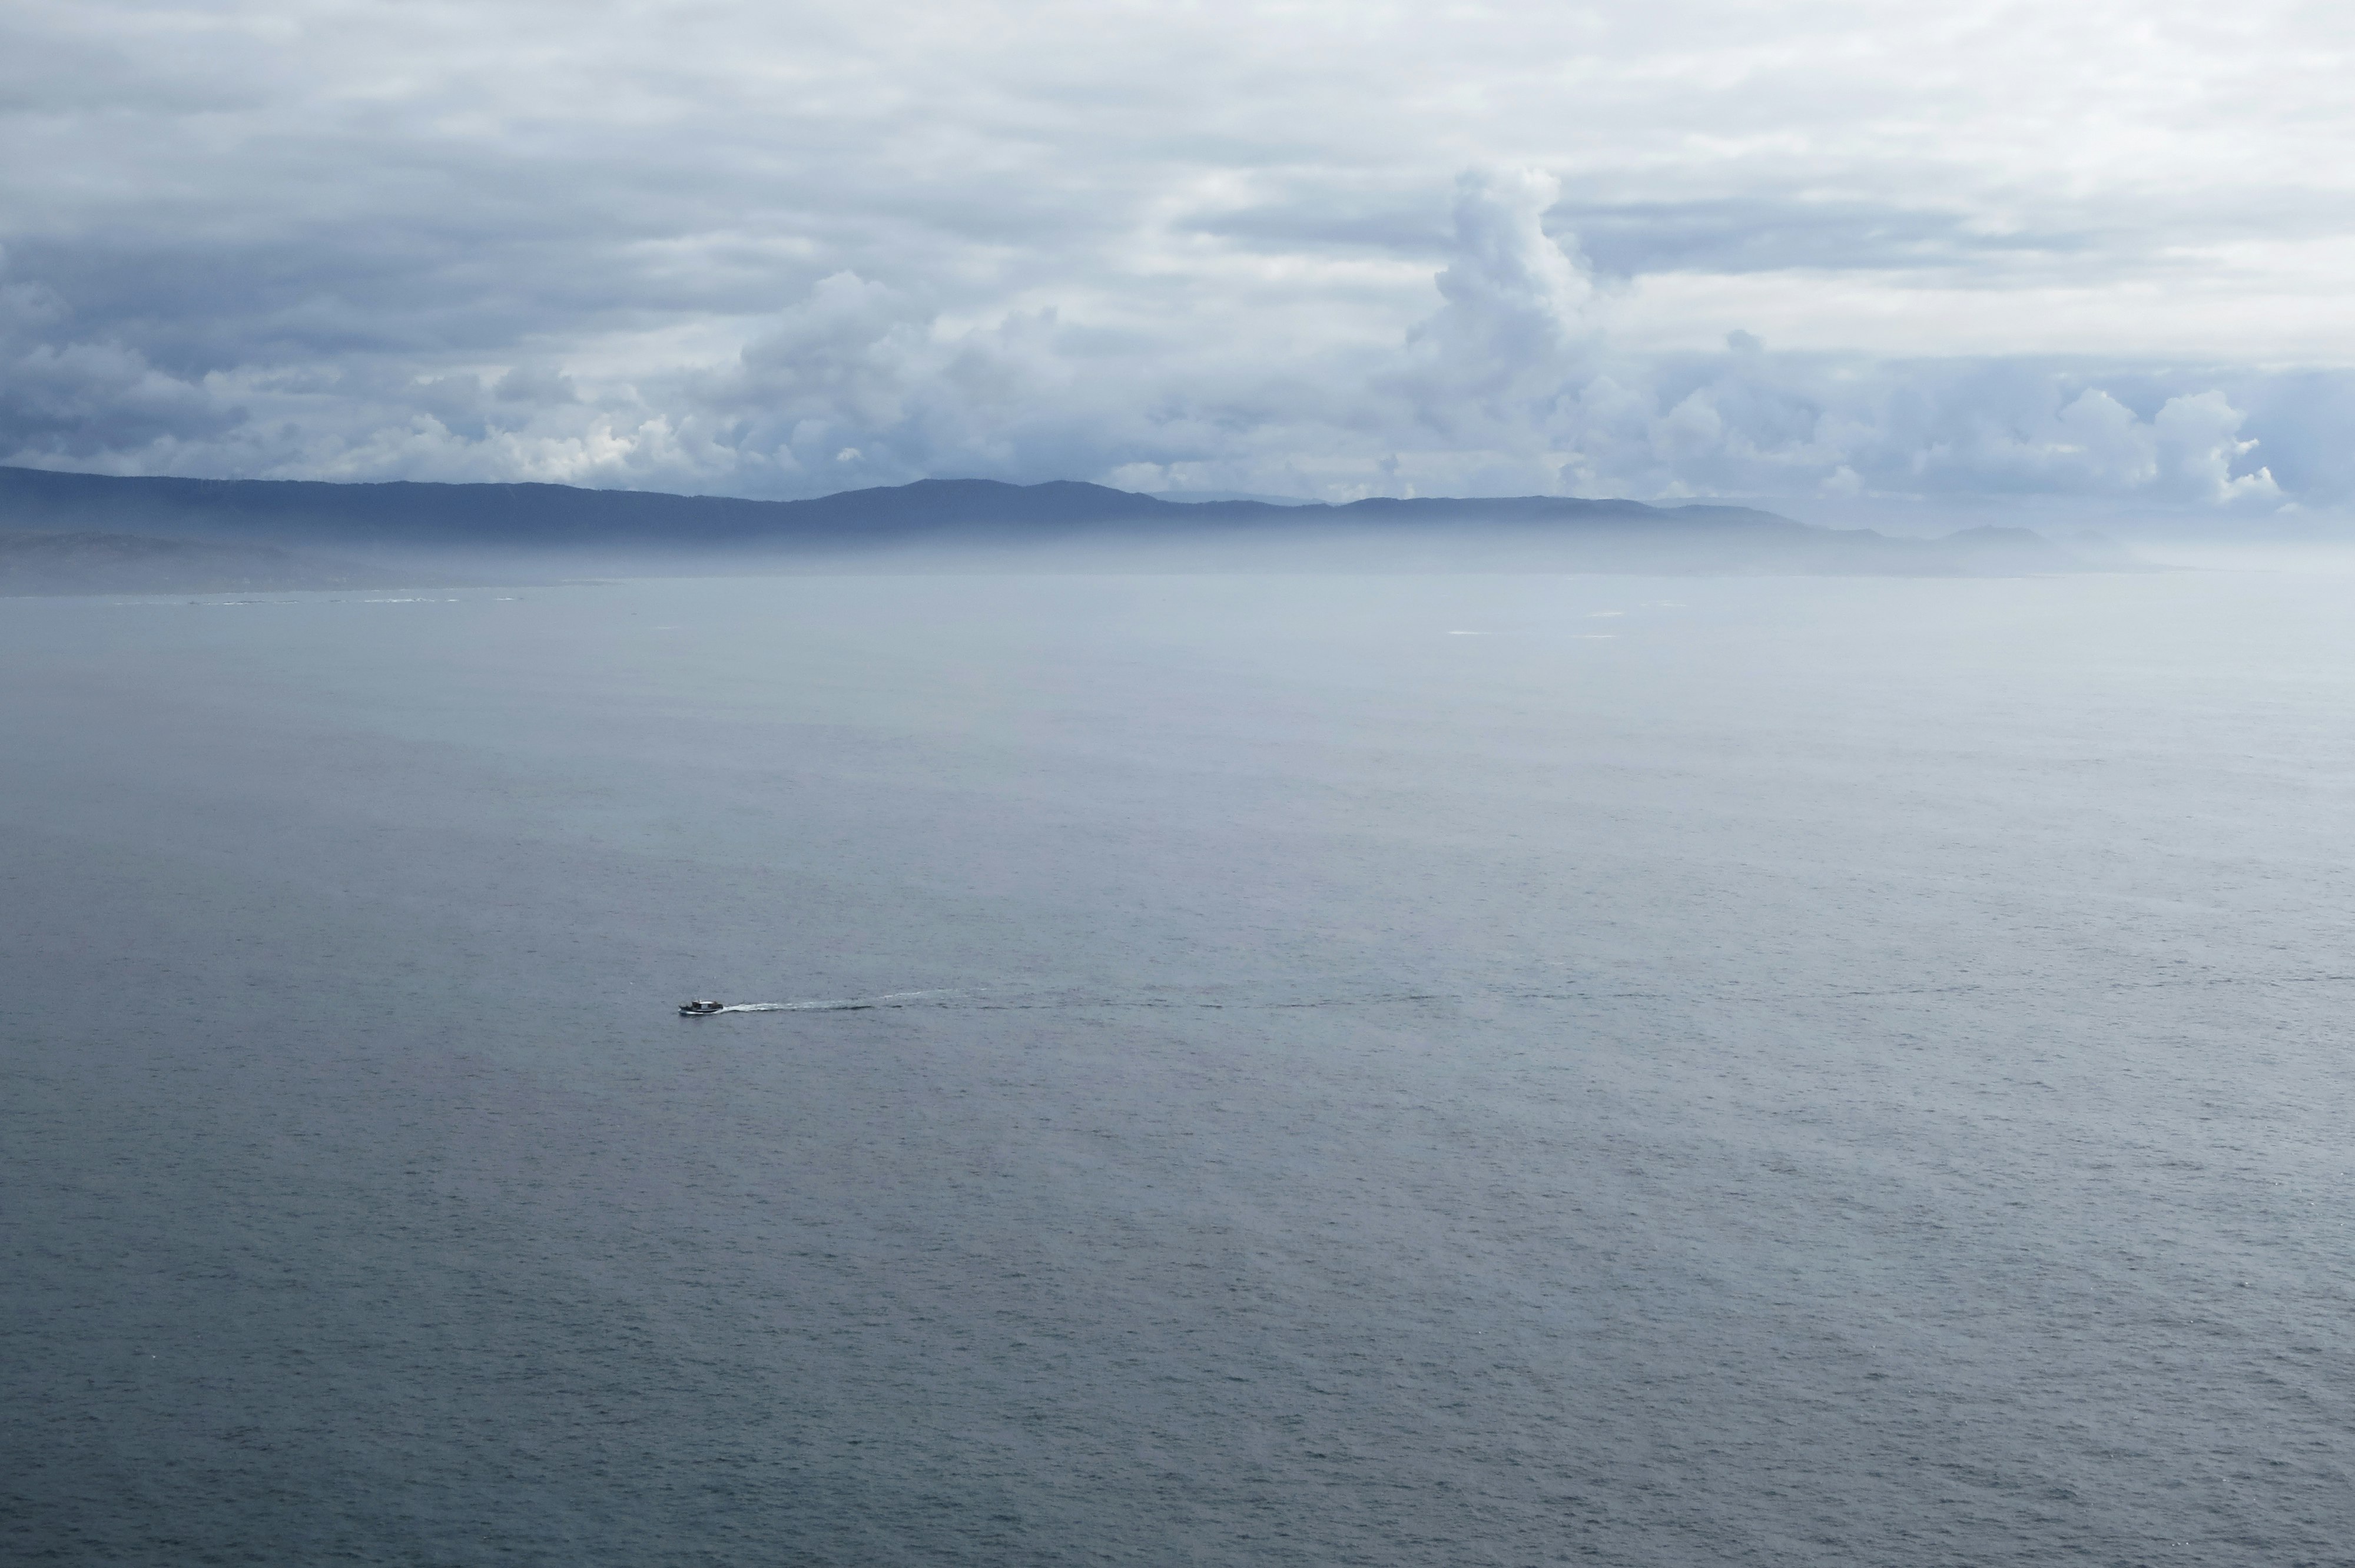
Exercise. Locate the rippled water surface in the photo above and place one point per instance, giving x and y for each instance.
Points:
(1346, 1071)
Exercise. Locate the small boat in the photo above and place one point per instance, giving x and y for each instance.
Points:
(700, 1008)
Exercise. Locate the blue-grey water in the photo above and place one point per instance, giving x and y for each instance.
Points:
(1418, 1071)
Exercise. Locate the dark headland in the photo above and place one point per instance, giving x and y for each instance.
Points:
(79, 533)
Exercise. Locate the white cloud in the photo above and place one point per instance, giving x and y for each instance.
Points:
(1991, 249)
(1518, 316)
(2199, 441)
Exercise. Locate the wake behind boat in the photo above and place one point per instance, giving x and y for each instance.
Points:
(850, 1004)
(710, 1009)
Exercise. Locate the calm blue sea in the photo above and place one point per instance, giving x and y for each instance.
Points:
(1450, 1071)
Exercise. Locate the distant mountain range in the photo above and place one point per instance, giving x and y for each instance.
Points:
(271, 521)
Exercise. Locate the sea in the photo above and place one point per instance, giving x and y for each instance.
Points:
(1281, 1069)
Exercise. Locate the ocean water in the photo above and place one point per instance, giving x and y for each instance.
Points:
(1345, 1070)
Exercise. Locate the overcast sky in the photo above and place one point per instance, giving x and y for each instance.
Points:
(1664, 249)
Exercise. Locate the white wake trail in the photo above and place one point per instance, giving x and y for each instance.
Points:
(845, 1004)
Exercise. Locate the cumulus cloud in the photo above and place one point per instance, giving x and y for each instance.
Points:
(1518, 315)
(2199, 441)
(89, 398)
(1509, 382)
(1690, 250)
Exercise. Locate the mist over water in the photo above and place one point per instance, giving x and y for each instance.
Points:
(1256, 1069)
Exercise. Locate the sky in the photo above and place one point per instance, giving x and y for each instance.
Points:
(2092, 253)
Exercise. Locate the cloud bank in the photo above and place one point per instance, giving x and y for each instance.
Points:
(1330, 253)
